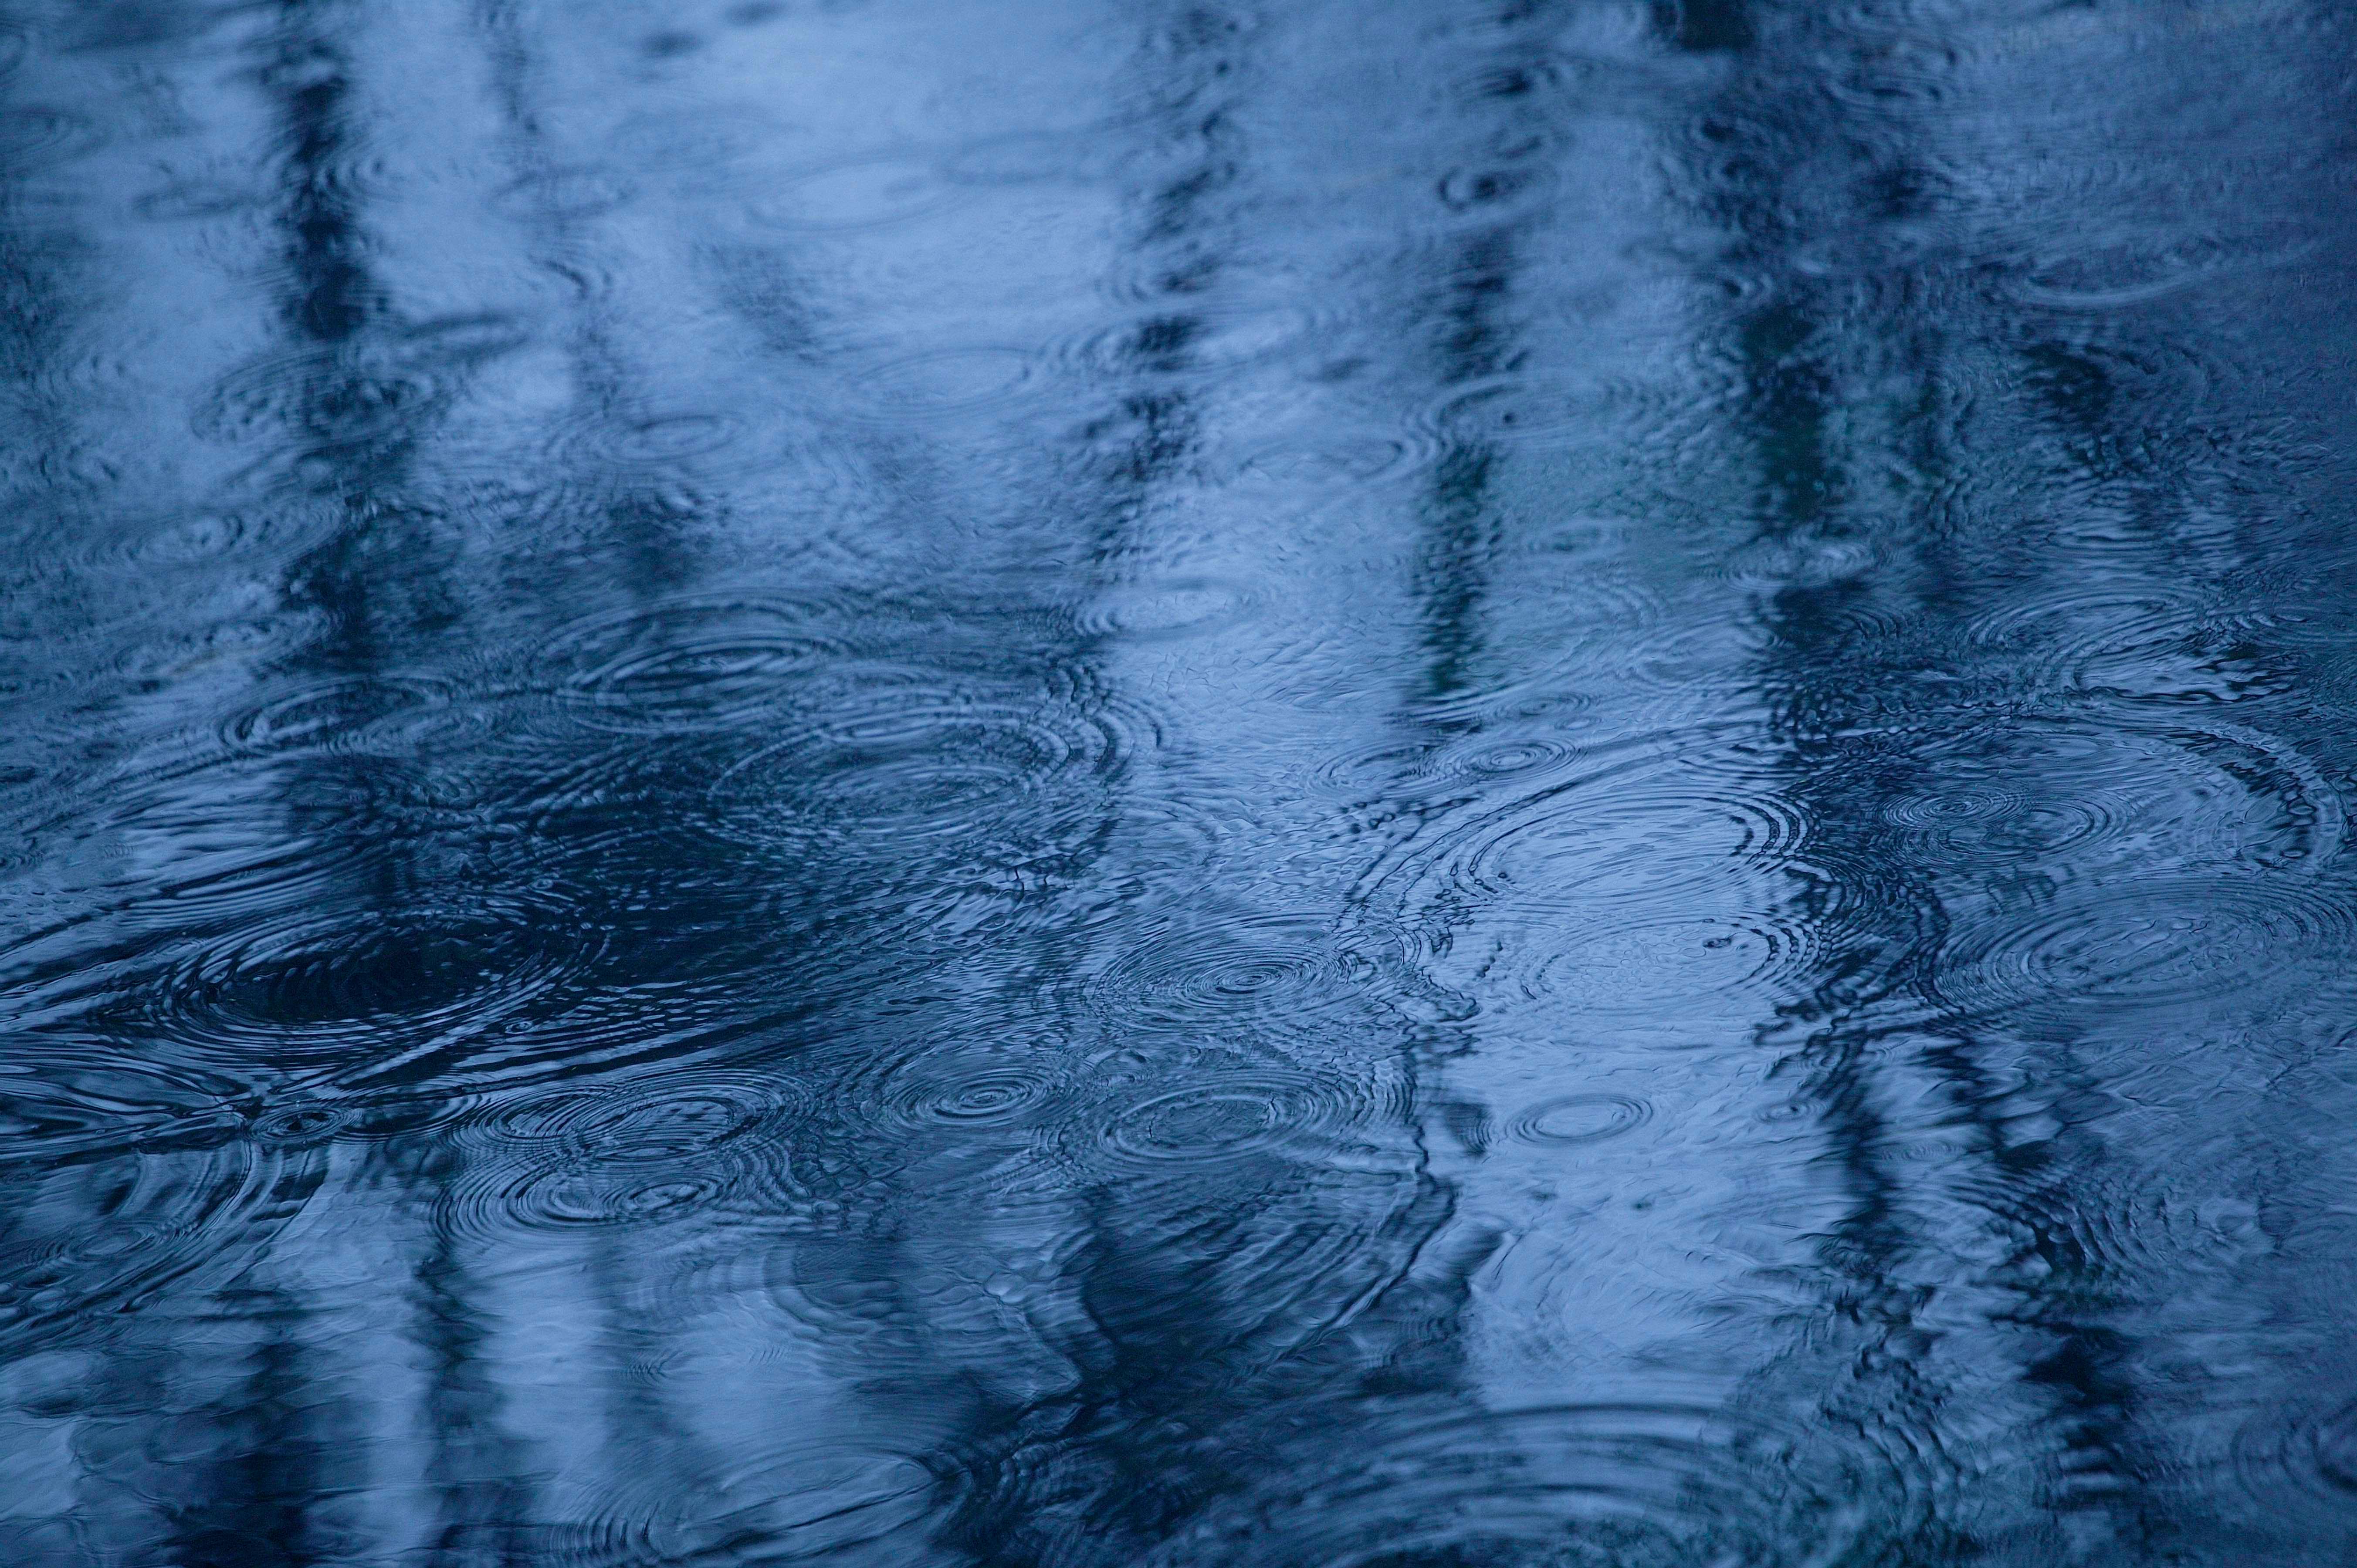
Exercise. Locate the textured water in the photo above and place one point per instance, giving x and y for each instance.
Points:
(1358, 784)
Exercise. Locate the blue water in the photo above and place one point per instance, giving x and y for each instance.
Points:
(1383, 784)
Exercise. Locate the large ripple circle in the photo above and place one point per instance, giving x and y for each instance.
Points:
(334, 986)
(641, 1149)
(2159, 942)
(1636, 1486)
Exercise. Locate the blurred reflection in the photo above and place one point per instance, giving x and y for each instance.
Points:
(1497, 784)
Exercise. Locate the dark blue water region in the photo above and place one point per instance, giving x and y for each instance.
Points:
(1353, 784)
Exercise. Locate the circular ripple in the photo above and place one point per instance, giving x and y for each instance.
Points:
(1605, 634)
(630, 440)
(655, 455)
(337, 988)
(1235, 1116)
(1642, 1485)
(33, 140)
(1652, 965)
(2331, 1448)
(640, 1122)
(924, 772)
(334, 399)
(632, 803)
(1233, 976)
(2159, 943)
(564, 194)
(198, 200)
(1297, 1191)
(2140, 269)
(1964, 815)
(1201, 340)
(1505, 759)
(104, 1225)
(2117, 1223)
(1912, 72)
(2149, 644)
(382, 389)
(168, 652)
(1572, 1119)
(1513, 410)
(1517, 73)
(868, 193)
(210, 846)
(619, 1152)
(1787, 562)
(393, 715)
(709, 659)
(1166, 609)
(1387, 769)
(1220, 1113)
(1625, 832)
(63, 1102)
(303, 1126)
(1372, 773)
(185, 539)
(108, 1230)
(468, 339)
(955, 1087)
(2307, 1449)
(816, 1500)
(2072, 794)
(1484, 194)
(1327, 465)
(571, 1199)
(943, 384)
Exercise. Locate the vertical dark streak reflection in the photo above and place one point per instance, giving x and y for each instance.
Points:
(1475, 337)
(1194, 64)
(1126, 1453)
(252, 1504)
(261, 1498)
(334, 295)
(1457, 543)
(1517, 785)
(1704, 25)
(1804, 388)
(1835, 682)
(478, 1473)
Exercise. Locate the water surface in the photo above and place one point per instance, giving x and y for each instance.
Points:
(1349, 785)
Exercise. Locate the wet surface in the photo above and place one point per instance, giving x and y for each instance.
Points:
(1386, 786)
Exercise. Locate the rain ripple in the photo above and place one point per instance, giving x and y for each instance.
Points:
(332, 988)
(1251, 973)
(2151, 943)
(2068, 796)
(1634, 1484)
(924, 767)
(641, 1150)
(120, 1177)
(1633, 833)
(701, 661)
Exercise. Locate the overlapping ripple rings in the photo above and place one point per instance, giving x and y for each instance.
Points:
(708, 660)
(123, 1179)
(2150, 944)
(1575, 1484)
(1640, 830)
(1354, 784)
(2079, 796)
(639, 1149)
(322, 986)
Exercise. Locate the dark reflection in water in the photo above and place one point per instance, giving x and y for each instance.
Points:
(1429, 786)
